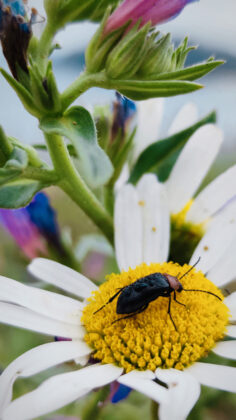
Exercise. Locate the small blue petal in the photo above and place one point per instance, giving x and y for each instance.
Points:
(127, 108)
(43, 215)
(122, 393)
(17, 6)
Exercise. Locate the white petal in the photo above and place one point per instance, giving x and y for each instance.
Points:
(183, 393)
(59, 391)
(215, 376)
(143, 382)
(231, 331)
(148, 125)
(155, 219)
(192, 166)
(25, 318)
(186, 117)
(224, 271)
(230, 301)
(61, 276)
(35, 361)
(221, 232)
(50, 304)
(128, 228)
(213, 197)
(226, 349)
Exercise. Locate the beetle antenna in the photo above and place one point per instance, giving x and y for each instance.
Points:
(190, 269)
(203, 291)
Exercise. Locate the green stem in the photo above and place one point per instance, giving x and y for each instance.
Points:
(45, 175)
(71, 183)
(44, 47)
(154, 410)
(93, 410)
(84, 82)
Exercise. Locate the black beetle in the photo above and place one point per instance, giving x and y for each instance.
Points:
(135, 298)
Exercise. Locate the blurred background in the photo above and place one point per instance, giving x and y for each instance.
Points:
(209, 24)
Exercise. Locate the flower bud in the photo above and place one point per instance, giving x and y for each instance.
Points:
(61, 12)
(154, 11)
(125, 59)
(15, 34)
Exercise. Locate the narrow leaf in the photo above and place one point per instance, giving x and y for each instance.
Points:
(190, 73)
(23, 94)
(158, 152)
(143, 89)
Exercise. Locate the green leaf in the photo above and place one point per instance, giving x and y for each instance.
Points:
(18, 159)
(18, 193)
(7, 175)
(190, 73)
(143, 89)
(162, 151)
(23, 94)
(78, 126)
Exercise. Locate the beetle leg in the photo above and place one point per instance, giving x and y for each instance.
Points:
(134, 313)
(110, 300)
(177, 300)
(170, 312)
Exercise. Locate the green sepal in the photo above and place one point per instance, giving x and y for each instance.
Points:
(143, 89)
(127, 56)
(161, 153)
(158, 59)
(18, 193)
(190, 73)
(38, 91)
(18, 159)
(22, 93)
(5, 145)
(99, 47)
(77, 125)
(53, 92)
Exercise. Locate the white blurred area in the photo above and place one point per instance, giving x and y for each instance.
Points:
(209, 24)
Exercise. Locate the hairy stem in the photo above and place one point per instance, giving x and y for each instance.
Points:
(71, 183)
(44, 47)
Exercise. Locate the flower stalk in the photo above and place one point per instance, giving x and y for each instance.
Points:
(72, 183)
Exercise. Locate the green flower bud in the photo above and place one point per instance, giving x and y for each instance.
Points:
(60, 12)
(126, 58)
(158, 58)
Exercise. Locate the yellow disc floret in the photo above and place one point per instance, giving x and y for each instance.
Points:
(149, 340)
(184, 235)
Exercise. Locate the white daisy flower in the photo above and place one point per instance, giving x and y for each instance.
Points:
(192, 216)
(151, 346)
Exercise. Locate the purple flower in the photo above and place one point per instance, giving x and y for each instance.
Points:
(27, 236)
(154, 11)
(33, 226)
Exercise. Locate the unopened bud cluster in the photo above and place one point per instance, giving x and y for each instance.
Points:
(134, 53)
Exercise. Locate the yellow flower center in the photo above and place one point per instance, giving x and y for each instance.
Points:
(184, 235)
(149, 340)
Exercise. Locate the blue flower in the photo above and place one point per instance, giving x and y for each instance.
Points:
(122, 392)
(123, 111)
